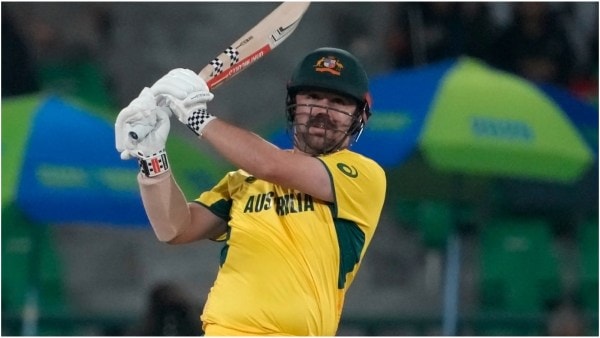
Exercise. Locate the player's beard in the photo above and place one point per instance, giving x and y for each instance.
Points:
(318, 136)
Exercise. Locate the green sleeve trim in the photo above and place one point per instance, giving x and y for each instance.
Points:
(225, 248)
(351, 241)
(333, 206)
(221, 208)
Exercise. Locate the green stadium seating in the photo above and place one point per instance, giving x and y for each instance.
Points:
(435, 222)
(519, 272)
(587, 239)
(21, 269)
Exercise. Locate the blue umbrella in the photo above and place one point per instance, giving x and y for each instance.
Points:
(582, 114)
(467, 118)
(70, 173)
(60, 166)
(63, 166)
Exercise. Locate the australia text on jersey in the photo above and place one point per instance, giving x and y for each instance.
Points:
(286, 204)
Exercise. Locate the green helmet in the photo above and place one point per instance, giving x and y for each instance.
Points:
(335, 70)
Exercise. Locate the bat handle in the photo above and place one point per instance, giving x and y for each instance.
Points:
(139, 132)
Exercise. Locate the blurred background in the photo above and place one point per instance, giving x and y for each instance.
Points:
(507, 249)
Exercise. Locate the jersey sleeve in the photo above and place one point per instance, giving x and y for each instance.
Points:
(359, 186)
(219, 199)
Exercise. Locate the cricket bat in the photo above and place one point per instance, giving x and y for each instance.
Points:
(269, 33)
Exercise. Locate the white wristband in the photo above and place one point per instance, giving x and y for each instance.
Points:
(198, 120)
(154, 164)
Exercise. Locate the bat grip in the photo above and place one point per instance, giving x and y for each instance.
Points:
(139, 132)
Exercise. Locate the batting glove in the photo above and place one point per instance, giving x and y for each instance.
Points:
(186, 94)
(143, 114)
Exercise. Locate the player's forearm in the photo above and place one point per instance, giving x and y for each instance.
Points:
(165, 205)
(263, 160)
(245, 149)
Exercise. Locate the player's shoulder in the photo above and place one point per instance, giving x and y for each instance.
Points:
(238, 177)
(347, 157)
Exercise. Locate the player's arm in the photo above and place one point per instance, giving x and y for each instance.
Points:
(186, 94)
(173, 219)
(262, 159)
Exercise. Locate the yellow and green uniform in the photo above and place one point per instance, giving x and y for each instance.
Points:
(289, 258)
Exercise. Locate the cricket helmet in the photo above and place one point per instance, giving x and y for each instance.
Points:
(334, 70)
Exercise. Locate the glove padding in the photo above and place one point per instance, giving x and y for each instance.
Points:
(142, 113)
(186, 94)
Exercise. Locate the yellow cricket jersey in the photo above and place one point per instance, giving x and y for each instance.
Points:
(289, 258)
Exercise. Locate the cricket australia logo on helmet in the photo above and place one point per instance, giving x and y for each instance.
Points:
(329, 64)
(331, 69)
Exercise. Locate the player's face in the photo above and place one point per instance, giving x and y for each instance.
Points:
(322, 121)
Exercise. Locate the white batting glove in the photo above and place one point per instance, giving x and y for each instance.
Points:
(143, 114)
(186, 94)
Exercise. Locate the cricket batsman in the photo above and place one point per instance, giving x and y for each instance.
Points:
(294, 223)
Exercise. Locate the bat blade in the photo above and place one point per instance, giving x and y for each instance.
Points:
(269, 33)
(260, 40)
